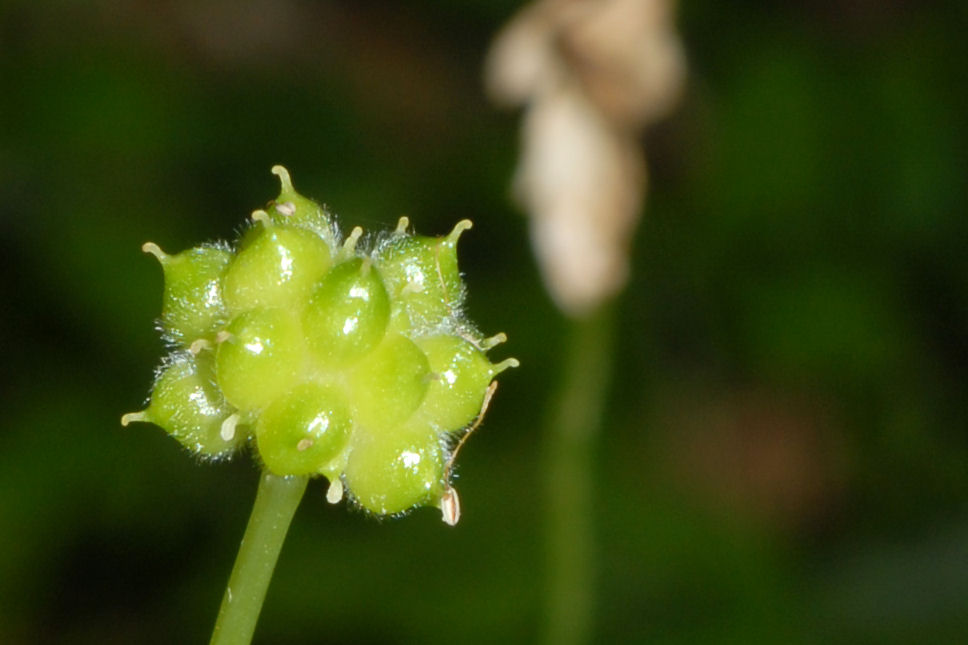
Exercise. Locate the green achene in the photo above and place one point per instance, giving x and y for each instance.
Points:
(460, 376)
(327, 357)
(187, 403)
(259, 357)
(278, 267)
(348, 313)
(305, 431)
(389, 383)
(422, 274)
(193, 306)
(392, 472)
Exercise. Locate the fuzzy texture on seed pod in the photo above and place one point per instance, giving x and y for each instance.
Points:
(329, 359)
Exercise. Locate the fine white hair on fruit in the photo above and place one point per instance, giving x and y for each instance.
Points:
(304, 346)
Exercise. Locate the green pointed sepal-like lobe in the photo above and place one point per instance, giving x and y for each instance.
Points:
(460, 375)
(187, 404)
(422, 275)
(193, 306)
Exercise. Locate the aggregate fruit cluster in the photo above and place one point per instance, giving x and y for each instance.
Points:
(356, 364)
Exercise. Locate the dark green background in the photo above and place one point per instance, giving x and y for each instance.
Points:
(786, 449)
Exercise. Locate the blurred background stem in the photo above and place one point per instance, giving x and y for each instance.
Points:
(275, 504)
(575, 421)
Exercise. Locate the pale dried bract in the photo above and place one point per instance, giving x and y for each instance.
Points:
(592, 74)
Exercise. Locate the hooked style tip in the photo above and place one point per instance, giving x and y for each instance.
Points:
(284, 178)
(155, 250)
(261, 216)
(493, 341)
(460, 227)
(506, 364)
(349, 246)
(134, 417)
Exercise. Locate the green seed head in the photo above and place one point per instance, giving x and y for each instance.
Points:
(305, 431)
(348, 313)
(336, 359)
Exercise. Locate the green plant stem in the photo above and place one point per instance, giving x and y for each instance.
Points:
(575, 423)
(275, 504)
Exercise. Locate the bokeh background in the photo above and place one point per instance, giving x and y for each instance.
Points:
(785, 456)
